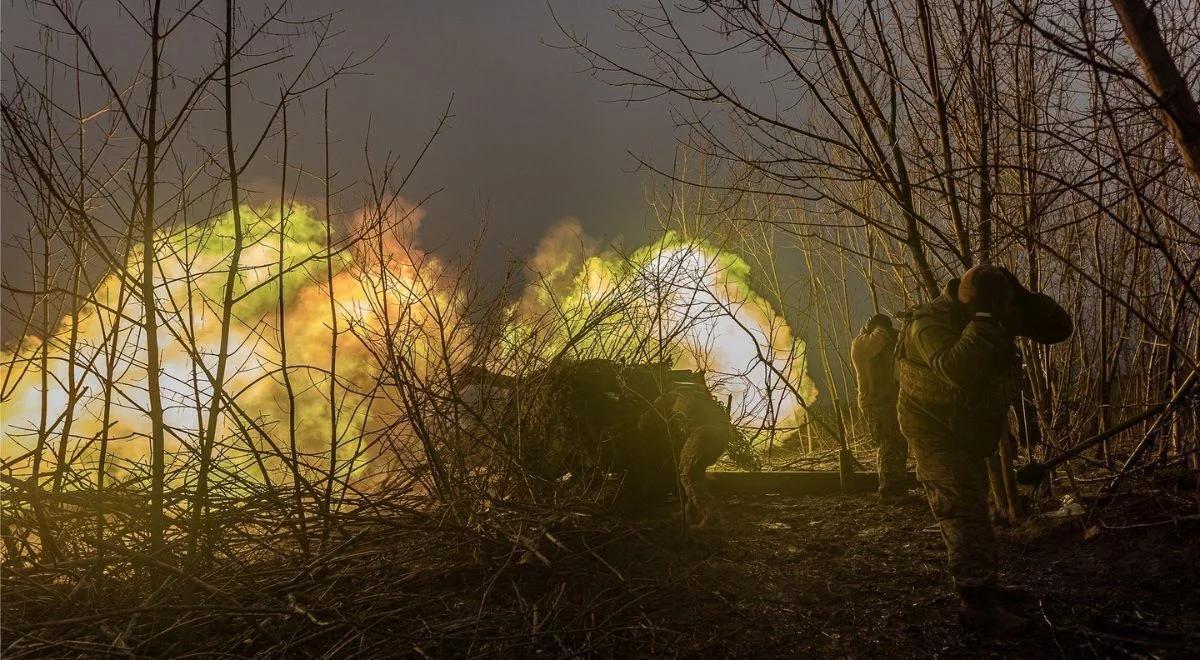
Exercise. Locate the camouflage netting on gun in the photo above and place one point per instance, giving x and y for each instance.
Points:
(601, 427)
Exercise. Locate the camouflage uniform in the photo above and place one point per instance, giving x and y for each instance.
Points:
(699, 430)
(958, 377)
(872, 355)
(893, 448)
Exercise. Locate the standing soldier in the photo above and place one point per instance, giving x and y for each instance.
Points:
(958, 371)
(873, 355)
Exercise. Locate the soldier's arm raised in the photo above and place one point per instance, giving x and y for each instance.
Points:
(965, 358)
(870, 344)
(1038, 317)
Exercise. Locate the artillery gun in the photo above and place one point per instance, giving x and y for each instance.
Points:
(650, 428)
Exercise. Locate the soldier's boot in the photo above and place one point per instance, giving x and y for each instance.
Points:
(980, 611)
(700, 508)
(710, 515)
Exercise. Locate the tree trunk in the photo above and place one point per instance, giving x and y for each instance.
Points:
(1177, 107)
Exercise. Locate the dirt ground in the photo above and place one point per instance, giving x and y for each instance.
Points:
(842, 576)
(783, 577)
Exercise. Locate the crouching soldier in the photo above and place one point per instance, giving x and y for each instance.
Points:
(698, 430)
(873, 354)
(958, 375)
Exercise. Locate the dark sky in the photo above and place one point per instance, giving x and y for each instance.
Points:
(533, 139)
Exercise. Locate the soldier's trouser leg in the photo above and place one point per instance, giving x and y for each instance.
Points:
(893, 448)
(699, 503)
(961, 508)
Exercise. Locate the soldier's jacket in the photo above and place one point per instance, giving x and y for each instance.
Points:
(959, 376)
(689, 407)
(698, 430)
(871, 353)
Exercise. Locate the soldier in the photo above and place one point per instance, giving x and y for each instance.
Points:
(698, 429)
(873, 355)
(958, 367)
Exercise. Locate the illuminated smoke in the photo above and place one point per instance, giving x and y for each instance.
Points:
(193, 265)
(682, 302)
(678, 301)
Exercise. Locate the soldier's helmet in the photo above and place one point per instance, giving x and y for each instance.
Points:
(879, 321)
(986, 284)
